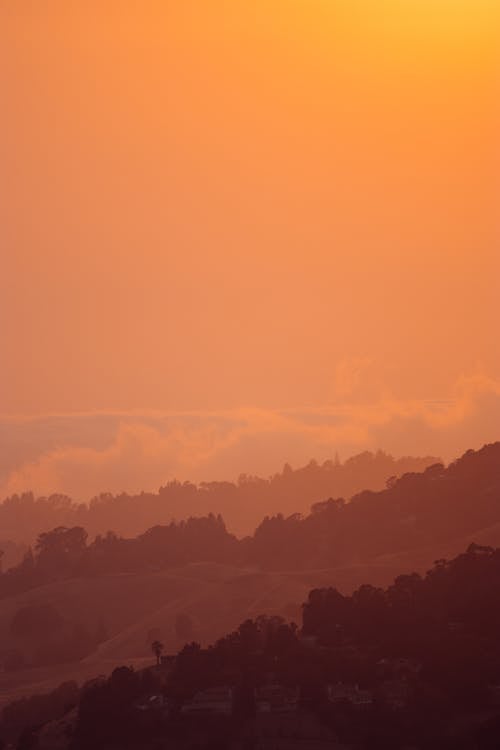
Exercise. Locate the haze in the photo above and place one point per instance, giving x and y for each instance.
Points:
(238, 233)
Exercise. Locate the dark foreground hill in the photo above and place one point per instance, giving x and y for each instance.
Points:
(413, 665)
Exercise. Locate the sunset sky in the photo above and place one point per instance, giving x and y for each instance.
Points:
(236, 233)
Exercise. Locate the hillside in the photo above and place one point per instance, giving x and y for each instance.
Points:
(437, 508)
(242, 504)
(417, 658)
(137, 607)
(74, 608)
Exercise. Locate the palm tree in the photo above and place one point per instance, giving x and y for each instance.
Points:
(157, 648)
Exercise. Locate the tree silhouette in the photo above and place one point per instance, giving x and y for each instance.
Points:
(157, 649)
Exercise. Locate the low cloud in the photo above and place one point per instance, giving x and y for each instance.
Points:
(83, 455)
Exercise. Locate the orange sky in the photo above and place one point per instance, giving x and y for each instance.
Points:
(210, 206)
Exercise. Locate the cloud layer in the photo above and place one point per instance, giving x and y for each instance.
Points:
(84, 454)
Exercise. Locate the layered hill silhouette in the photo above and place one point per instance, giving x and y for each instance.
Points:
(74, 607)
(242, 504)
(417, 511)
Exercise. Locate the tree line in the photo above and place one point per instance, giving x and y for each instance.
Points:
(243, 504)
(433, 637)
(414, 511)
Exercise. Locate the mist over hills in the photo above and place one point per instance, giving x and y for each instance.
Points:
(415, 512)
(242, 504)
(74, 607)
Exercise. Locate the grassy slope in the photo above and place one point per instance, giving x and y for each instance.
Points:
(217, 598)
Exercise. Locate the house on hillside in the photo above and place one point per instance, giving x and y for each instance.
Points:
(353, 694)
(156, 702)
(309, 641)
(276, 699)
(400, 668)
(217, 701)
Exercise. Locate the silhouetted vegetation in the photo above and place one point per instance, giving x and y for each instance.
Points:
(21, 718)
(414, 512)
(64, 553)
(242, 504)
(414, 665)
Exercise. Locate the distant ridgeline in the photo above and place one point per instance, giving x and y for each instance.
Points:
(243, 505)
(419, 659)
(418, 511)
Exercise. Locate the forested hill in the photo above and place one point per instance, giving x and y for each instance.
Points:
(242, 504)
(419, 511)
(418, 660)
